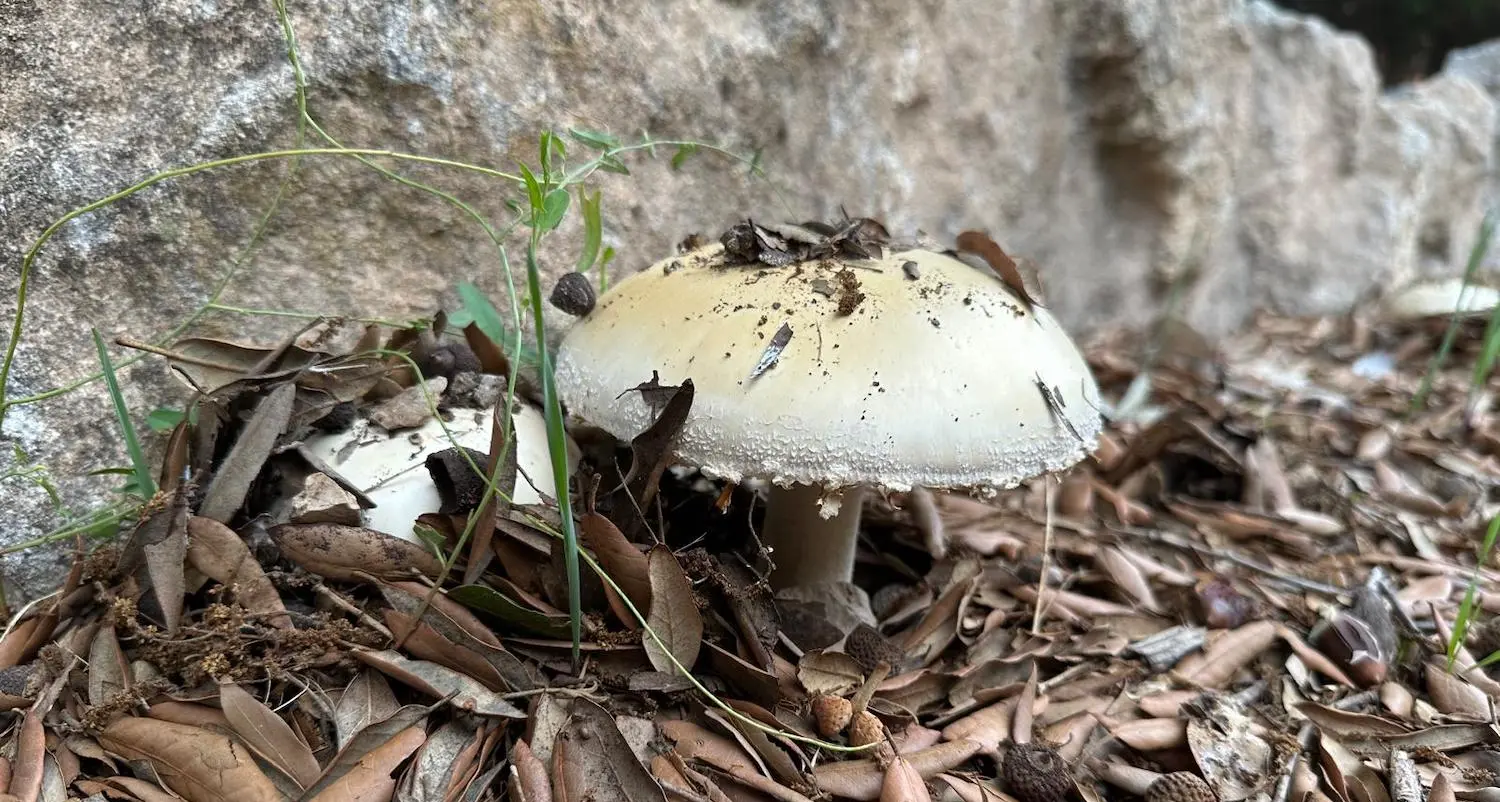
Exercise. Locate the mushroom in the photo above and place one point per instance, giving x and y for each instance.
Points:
(833, 376)
(390, 467)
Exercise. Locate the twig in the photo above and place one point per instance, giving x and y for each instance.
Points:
(1041, 582)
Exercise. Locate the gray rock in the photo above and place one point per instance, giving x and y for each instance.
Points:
(1120, 144)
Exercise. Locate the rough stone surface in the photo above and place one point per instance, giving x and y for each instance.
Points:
(1121, 144)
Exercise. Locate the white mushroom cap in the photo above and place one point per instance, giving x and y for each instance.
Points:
(390, 467)
(1441, 298)
(932, 381)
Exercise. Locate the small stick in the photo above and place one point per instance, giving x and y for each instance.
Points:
(1041, 582)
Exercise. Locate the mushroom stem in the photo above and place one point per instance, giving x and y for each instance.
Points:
(806, 547)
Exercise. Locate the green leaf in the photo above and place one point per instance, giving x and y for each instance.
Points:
(595, 139)
(611, 164)
(609, 256)
(684, 152)
(1465, 612)
(164, 419)
(478, 309)
(554, 208)
(593, 229)
(755, 168)
(143, 484)
(533, 190)
(493, 603)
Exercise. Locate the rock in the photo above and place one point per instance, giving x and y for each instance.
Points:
(322, 501)
(1119, 144)
(409, 408)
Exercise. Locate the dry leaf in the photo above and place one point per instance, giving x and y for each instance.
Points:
(346, 552)
(353, 756)
(674, 616)
(369, 779)
(530, 773)
(599, 763)
(621, 559)
(441, 682)
(200, 765)
(903, 784)
(233, 477)
(220, 554)
(108, 672)
(366, 700)
(864, 779)
(833, 673)
(29, 766)
(268, 735)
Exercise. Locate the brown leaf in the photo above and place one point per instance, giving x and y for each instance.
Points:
(599, 763)
(833, 673)
(226, 492)
(530, 773)
(501, 471)
(155, 553)
(220, 554)
(492, 359)
(268, 735)
(366, 700)
(200, 765)
(674, 616)
(903, 783)
(864, 779)
(1232, 651)
(980, 244)
(652, 449)
(625, 563)
(363, 743)
(422, 641)
(442, 763)
(29, 764)
(345, 552)
(108, 671)
(452, 622)
(461, 691)
(369, 779)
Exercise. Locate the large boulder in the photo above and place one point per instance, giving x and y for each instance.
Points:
(1244, 154)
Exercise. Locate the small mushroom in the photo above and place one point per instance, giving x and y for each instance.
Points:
(938, 376)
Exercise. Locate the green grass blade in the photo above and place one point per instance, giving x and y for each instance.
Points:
(1466, 608)
(557, 447)
(144, 485)
(1476, 256)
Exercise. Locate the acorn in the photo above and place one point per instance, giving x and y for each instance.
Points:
(1180, 786)
(865, 729)
(831, 714)
(1036, 773)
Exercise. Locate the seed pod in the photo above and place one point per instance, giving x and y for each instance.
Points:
(865, 729)
(831, 714)
(573, 294)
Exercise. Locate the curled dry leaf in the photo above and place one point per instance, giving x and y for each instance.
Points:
(344, 552)
(903, 783)
(1228, 654)
(530, 773)
(201, 765)
(29, 764)
(674, 616)
(863, 779)
(221, 555)
(1452, 695)
(366, 700)
(441, 682)
(625, 563)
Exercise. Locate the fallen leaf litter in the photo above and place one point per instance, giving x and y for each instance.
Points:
(1252, 584)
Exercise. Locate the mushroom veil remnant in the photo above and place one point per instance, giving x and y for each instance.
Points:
(831, 374)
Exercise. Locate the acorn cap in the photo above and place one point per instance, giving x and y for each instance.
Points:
(1036, 773)
(1180, 786)
(913, 369)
